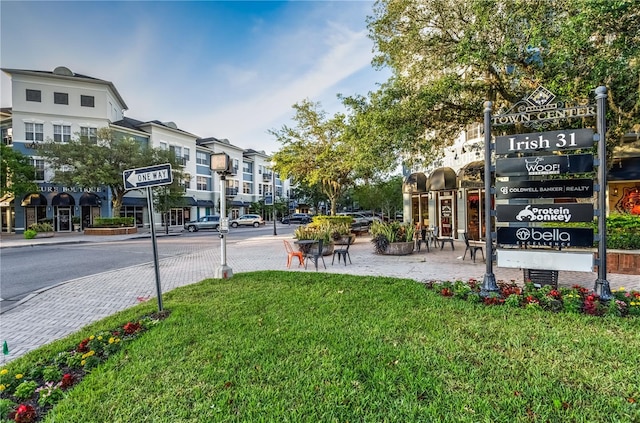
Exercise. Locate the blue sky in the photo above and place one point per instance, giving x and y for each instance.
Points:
(228, 69)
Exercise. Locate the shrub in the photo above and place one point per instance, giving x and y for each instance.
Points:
(112, 222)
(42, 227)
(393, 231)
(30, 234)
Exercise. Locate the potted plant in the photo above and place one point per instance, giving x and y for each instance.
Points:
(75, 220)
(392, 238)
(315, 231)
(39, 230)
(341, 233)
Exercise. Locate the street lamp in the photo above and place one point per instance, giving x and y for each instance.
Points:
(221, 164)
(273, 180)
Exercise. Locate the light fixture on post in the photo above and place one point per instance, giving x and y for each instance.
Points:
(221, 164)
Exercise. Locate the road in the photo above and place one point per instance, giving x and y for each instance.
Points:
(26, 270)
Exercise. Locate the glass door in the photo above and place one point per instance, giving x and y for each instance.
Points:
(445, 205)
(64, 219)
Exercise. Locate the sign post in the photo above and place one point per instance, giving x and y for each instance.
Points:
(489, 285)
(148, 177)
(602, 285)
(221, 164)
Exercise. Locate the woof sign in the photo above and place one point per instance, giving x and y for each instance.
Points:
(545, 165)
(572, 139)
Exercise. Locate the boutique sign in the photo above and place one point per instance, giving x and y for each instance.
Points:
(545, 165)
(545, 213)
(550, 237)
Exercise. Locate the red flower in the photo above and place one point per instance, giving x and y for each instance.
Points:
(25, 414)
(554, 293)
(131, 328)
(83, 345)
(67, 380)
(447, 292)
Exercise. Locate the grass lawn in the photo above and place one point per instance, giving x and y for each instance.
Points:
(313, 347)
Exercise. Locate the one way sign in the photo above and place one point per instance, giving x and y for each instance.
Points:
(145, 177)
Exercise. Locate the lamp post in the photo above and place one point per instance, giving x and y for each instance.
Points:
(273, 180)
(489, 285)
(221, 164)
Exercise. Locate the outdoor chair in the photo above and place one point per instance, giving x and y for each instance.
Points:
(441, 239)
(342, 252)
(315, 254)
(420, 237)
(471, 247)
(292, 253)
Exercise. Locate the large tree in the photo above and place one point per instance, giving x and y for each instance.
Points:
(449, 56)
(85, 163)
(16, 173)
(317, 150)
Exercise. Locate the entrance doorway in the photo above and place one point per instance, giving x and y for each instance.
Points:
(446, 212)
(64, 219)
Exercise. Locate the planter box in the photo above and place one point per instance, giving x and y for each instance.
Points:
(624, 262)
(44, 234)
(399, 249)
(344, 240)
(111, 231)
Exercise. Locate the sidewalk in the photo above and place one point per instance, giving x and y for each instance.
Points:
(55, 312)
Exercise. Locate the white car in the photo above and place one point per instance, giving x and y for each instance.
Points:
(254, 220)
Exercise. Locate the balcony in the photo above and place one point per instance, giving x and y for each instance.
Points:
(266, 177)
(231, 192)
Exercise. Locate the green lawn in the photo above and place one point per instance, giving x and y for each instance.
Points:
(312, 347)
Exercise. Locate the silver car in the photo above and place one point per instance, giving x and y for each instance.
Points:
(254, 220)
(205, 222)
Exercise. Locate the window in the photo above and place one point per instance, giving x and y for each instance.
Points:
(34, 95)
(89, 134)
(33, 131)
(259, 189)
(247, 167)
(61, 98)
(201, 158)
(87, 101)
(62, 133)
(186, 154)
(201, 183)
(38, 164)
(246, 188)
(163, 146)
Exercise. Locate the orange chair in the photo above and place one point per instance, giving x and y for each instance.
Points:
(291, 253)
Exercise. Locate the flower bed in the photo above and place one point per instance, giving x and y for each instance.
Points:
(27, 394)
(573, 300)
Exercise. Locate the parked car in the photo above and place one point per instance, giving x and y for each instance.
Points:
(302, 218)
(360, 223)
(205, 222)
(371, 217)
(254, 220)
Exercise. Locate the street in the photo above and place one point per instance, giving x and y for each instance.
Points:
(28, 269)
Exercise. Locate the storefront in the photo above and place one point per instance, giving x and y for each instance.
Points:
(443, 188)
(7, 212)
(471, 193)
(416, 186)
(35, 208)
(90, 204)
(624, 186)
(63, 206)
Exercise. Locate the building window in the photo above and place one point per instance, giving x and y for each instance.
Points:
(33, 132)
(163, 146)
(259, 189)
(201, 158)
(186, 154)
(61, 98)
(87, 101)
(246, 188)
(89, 134)
(38, 164)
(62, 133)
(34, 95)
(247, 167)
(201, 183)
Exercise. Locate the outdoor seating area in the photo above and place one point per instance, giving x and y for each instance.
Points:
(342, 253)
(472, 246)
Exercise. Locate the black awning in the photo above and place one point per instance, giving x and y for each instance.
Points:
(443, 178)
(191, 201)
(134, 201)
(34, 200)
(625, 169)
(239, 203)
(90, 199)
(472, 175)
(415, 183)
(63, 199)
(205, 203)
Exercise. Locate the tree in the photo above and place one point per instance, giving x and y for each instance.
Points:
(383, 195)
(449, 56)
(84, 163)
(16, 173)
(316, 151)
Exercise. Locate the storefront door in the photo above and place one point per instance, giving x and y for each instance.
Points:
(445, 207)
(64, 219)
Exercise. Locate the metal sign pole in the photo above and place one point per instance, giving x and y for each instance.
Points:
(602, 285)
(155, 247)
(224, 271)
(489, 285)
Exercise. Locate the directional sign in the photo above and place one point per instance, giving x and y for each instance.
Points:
(567, 212)
(557, 188)
(545, 165)
(568, 139)
(145, 177)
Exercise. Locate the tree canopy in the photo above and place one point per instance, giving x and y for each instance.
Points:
(16, 173)
(84, 163)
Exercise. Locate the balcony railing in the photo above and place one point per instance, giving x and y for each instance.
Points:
(231, 192)
(266, 177)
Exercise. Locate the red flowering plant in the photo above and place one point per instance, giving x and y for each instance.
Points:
(27, 394)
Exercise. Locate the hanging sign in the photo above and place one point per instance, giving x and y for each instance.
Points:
(545, 165)
(557, 188)
(568, 212)
(551, 237)
(568, 139)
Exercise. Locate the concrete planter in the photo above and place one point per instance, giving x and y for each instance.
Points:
(111, 231)
(344, 240)
(45, 234)
(399, 249)
(624, 262)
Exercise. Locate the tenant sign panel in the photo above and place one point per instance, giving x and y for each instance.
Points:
(569, 212)
(567, 139)
(550, 237)
(557, 188)
(545, 165)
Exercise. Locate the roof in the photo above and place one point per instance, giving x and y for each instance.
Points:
(62, 72)
(138, 125)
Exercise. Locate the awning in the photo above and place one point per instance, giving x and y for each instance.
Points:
(90, 199)
(472, 175)
(6, 200)
(415, 183)
(63, 199)
(134, 201)
(625, 169)
(239, 203)
(34, 200)
(443, 178)
(205, 203)
(191, 202)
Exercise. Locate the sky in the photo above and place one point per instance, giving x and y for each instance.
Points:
(224, 69)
